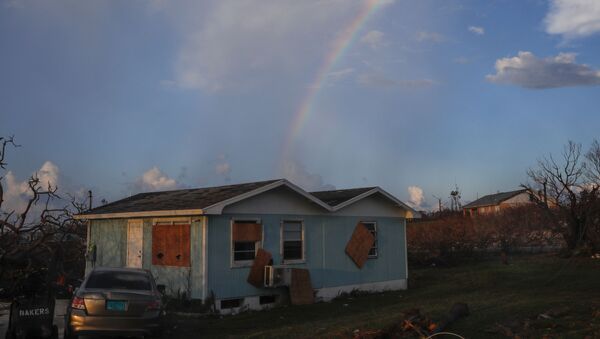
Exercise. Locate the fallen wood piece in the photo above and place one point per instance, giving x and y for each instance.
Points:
(256, 276)
(301, 291)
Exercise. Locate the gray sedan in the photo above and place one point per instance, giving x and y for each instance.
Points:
(115, 301)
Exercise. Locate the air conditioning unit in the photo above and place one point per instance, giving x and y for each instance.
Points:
(277, 276)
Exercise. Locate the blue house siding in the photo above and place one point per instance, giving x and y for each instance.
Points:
(325, 241)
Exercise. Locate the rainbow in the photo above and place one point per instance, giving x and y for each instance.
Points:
(338, 47)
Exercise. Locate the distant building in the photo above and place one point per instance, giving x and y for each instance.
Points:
(494, 203)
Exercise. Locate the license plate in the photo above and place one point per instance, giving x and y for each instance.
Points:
(116, 305)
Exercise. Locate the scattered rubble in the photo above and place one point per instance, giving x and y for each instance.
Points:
(413, 324)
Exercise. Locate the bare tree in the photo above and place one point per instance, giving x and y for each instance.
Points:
(563, 189)
(593, 168)
(40, 234)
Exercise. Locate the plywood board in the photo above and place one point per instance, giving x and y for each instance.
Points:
(257, 272)
(171, 245)
(359, 245)
(246, 232)
(301, 291)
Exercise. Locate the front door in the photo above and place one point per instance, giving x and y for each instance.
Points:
(135, 240)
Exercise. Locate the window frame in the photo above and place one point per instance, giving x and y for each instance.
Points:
(375, 233)
(282, 241)
(258, 244)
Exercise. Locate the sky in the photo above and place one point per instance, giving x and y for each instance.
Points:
(121, 97)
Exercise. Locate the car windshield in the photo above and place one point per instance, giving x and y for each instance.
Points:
(119, 280)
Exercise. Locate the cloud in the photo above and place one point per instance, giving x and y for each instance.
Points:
(374, 39)
(17, 193)
(573, 18)
(48, 174)
(231, 44)
(380, 80)
(336, 76)
(416, 198)
(424, 36)
(462, 60)
(527, 70)
(153, 180)
(14, 4)
(223, 168)
(297, 174)
(477, 30)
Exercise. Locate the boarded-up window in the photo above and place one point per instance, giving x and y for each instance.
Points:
(360, 245)
(245, 235)
(171, 245)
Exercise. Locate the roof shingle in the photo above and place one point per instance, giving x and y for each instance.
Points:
(185, 199)
(493, 199)
(336, 197)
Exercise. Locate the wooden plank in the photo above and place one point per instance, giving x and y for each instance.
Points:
(301, 291)
(171, 245)
(360, 244)
(246, 232)
(257, 272)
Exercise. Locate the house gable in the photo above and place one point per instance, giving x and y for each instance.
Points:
(375, 204)
(280, 200)
(522, 198)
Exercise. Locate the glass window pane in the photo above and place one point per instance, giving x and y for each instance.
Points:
(292, 235)
(239, 256)
(244, 246)
(244, 250)
(292, 250)
(119, 280)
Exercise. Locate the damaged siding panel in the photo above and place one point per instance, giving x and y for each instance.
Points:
(325, 241)
(178, 280)
(110, 238)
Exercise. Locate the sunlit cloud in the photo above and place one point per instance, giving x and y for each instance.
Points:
(527, 70)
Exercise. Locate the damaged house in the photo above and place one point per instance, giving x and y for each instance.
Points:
(253, 245)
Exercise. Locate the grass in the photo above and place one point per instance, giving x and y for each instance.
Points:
(495, 293)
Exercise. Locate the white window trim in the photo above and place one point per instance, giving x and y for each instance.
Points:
(374, 223)
(293, 261)
(243, 263)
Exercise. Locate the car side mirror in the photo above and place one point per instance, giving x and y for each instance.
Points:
(161, 288)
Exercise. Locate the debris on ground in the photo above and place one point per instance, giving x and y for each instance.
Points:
(413, 324)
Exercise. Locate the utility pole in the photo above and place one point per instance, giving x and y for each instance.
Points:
(439, 203)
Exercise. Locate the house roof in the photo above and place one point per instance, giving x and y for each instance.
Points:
(212, 200)
(185, 199)
(493, 199)
(336, 197)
